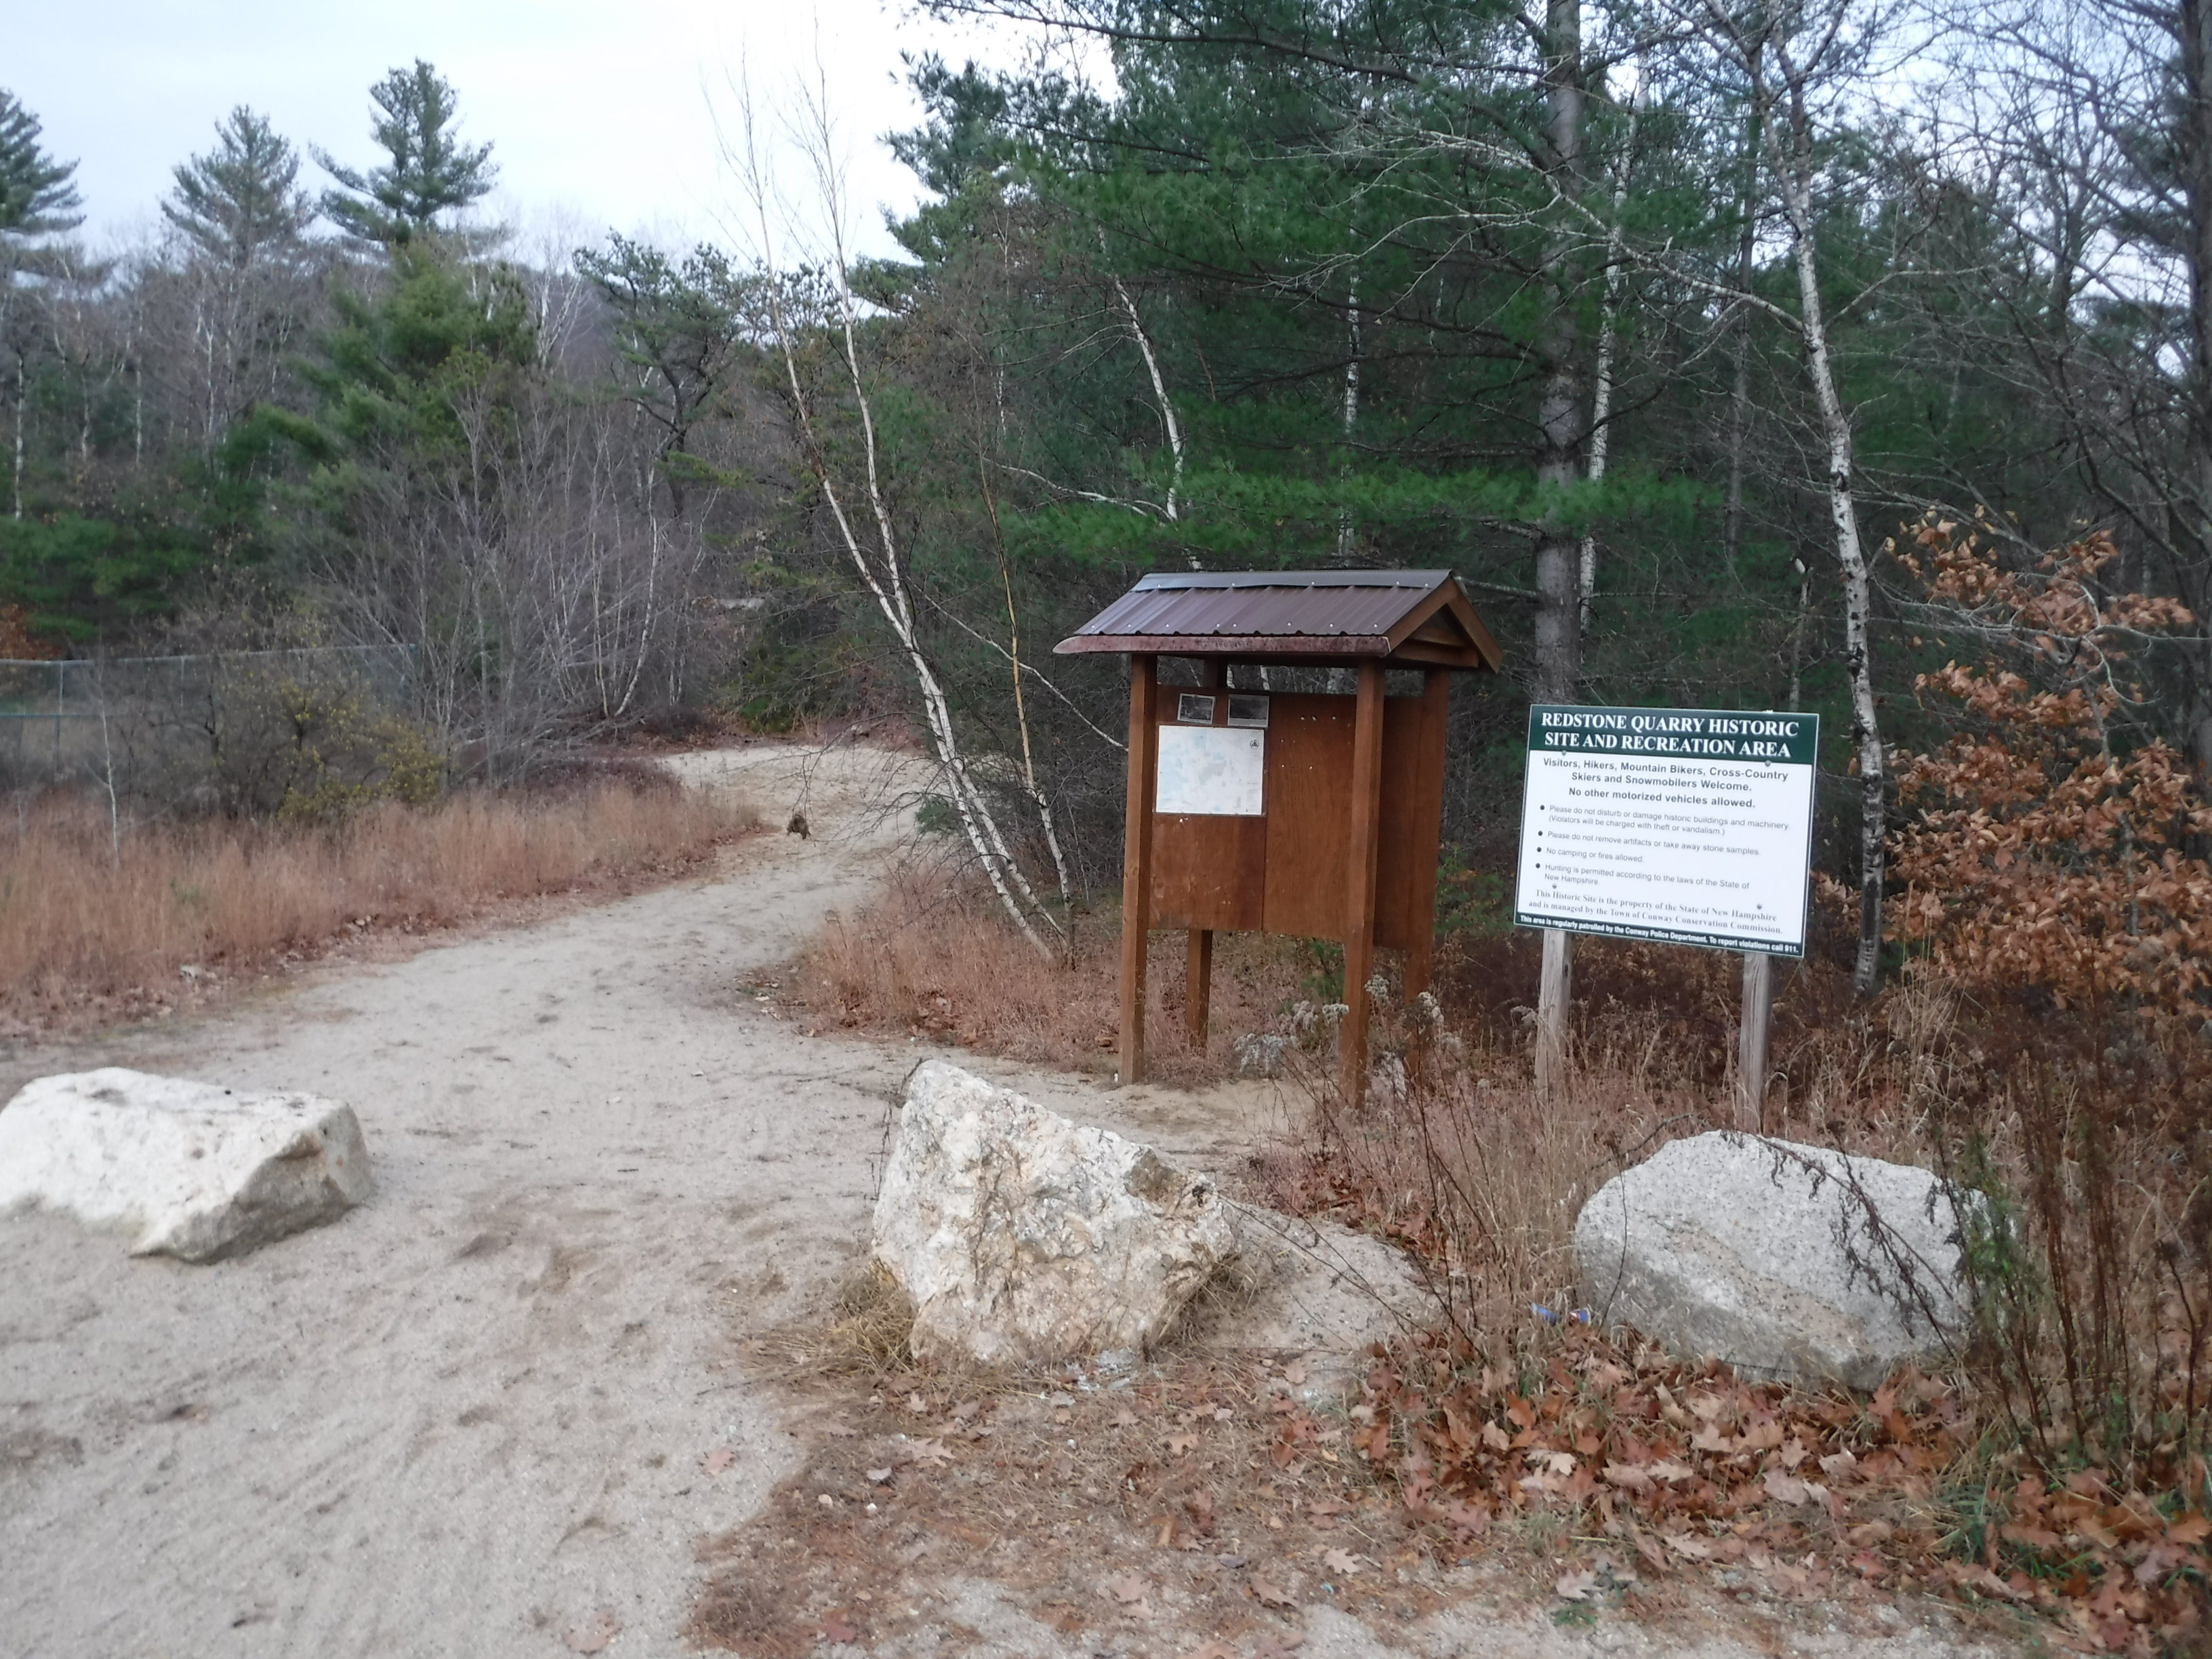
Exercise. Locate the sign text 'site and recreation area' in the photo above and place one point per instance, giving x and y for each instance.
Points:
(1693, 826)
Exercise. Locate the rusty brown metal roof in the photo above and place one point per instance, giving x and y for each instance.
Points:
(1412, 617)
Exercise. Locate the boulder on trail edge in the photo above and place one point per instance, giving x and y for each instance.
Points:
(200, 1172)
(1025, 1239)
(1788, 1261)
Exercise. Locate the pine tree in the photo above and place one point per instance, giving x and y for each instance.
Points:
(430, 173)
(36, 196)
(242, 199)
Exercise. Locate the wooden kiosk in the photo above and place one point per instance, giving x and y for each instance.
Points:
(1314, 814)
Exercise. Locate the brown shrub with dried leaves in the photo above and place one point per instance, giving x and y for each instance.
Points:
(2046, 847)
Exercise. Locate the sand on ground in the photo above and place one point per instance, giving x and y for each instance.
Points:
(473, 1419)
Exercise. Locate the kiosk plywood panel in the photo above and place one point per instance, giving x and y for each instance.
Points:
(1309, 814)
(1208, 873)
(1413, 821)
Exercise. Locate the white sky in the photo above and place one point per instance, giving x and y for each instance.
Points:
(598, 112)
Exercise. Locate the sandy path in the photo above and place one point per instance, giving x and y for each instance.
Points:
(473, 1413)
(471, 1417)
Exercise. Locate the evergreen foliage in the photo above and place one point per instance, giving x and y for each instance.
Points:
(36, 196)
(431, 171)
(242, 199)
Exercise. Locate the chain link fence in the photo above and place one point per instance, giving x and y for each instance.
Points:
(247, 731)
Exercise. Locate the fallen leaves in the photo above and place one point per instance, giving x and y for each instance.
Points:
(1128, 1592)
(1270, 1594)
(719, 1459)
(1698, 1469)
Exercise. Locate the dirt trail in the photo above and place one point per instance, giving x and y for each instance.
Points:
(473, 1413)
(473, 1418)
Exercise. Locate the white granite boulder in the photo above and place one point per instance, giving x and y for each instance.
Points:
(1785, 1260)
(197, 1171)
(1024, 1238)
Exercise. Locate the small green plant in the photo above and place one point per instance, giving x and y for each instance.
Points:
(936, 816)
(1323, 979)
(1471, 901)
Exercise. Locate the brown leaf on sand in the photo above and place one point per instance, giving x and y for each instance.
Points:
(719, 1459)
(836, 1629)
(1269, 1593)
(1296, 1372)
(1695, 1549)
(1212, 1650)
(1125, 1418)
(593, 1634)
(931, 1451)
(1126, 1589)
(1573, 1586)
(1277, 1643)
(1339, 1561)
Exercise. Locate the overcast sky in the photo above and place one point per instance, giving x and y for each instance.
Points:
(597, 112)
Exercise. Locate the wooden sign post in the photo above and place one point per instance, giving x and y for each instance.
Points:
(1306, 813)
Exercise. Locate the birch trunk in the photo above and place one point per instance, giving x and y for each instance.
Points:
(1851, 555)
(1558, 630)
(1558, 640)
(1159, 395)
(1601, 425)
(879, 567)
(1346, 543)
(1740, 340)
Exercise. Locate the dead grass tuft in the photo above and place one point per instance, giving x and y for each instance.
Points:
(93, 925)
(935, 958)
(865, 1335)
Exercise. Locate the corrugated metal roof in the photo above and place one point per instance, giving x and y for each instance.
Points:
(1266, 604)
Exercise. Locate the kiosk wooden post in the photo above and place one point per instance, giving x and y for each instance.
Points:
(1198, 968)
(1137, 862)
(1359, 878)
(1306, 813)
(1436, 710)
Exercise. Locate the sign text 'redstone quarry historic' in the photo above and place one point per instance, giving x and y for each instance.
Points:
(1690, 825)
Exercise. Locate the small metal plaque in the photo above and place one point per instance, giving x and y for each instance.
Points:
(1193, 708)
(1248, 711)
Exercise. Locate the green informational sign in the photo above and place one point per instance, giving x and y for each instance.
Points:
(1689, 825)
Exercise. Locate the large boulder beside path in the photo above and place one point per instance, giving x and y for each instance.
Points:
(195, 1171)
(1026, 1239)
(1788, 1261)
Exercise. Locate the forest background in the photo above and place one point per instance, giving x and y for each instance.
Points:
(1653, 323)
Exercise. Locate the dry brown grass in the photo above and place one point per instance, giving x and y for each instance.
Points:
(935, 958)
(92, 928)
